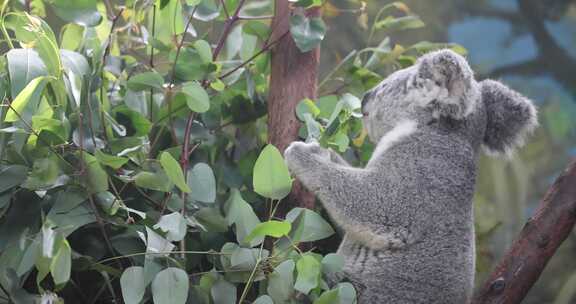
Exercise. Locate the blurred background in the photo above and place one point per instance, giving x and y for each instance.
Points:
(531, 46)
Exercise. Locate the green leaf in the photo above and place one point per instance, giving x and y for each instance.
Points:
(24, 65)
(271, 176)
(202, 183)
(154, 181)
(307, 3)
(133, 284)
(174, 172)
(281, 282)
(401, 23)
(75, 62)
(308, 225)
(169, 21)
(96, 177)
(43, 175)
(332, 263)
(270, 228)
(346, 293)
(170, 286)
(83, 12)
(114, 162)
(223, 292)
(71, 36)
(196, 97)
(306, 105)
(328, 297)
(12, 176)
(62, 263)
(240, 213)
(145, 81)
(307, 32)
(204, 50)
(308, 274)
(26, 103)
(35, 32)
(174, 225)
(263, 299)
(109, 202)
(256, 28)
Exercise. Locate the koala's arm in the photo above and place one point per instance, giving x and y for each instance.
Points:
(315, 166)
(340, 188)
(336, 158)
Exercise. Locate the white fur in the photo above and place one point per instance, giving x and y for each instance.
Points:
(401, 130)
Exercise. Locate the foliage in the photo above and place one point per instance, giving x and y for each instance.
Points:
(133, 163)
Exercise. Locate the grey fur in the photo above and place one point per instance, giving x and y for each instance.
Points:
(408, 216)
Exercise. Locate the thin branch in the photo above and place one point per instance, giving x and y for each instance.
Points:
(151, 108)
(5, 291)
(265, 17)
(225, 9)
(101, 90)
(263, 50)
(541, 236)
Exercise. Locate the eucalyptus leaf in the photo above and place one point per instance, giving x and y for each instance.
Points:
(202, 183)
(308, 274)
(83, 12)
(146, 80)
(174, 171)
(62, 264)
(26, 103)
(271, 176)
(170, 286)
(133, 284)
(270, 228)
(174, 225)
(196, 97)
(307, 32)
(24, 65)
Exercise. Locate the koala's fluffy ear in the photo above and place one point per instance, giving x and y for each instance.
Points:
(510, 117)
(445, 83)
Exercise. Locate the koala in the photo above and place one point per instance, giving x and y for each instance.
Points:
(407, 217)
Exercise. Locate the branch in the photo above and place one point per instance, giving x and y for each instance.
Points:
(541, 236)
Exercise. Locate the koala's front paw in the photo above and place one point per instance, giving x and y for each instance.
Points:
(300, 155)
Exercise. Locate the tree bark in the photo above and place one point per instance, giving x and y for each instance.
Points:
(293, 78)
(541, 236)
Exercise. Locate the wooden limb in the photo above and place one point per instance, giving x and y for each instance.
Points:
(293, 78)
(541, 236)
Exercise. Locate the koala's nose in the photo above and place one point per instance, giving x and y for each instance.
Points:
(365, 100)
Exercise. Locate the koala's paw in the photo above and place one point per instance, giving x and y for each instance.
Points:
(301, 155)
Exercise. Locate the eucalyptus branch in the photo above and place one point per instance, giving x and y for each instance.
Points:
(104, 56)
(225, 9)
(38, 135)
(3, 28)
(264, 49)
(151, 108)
(184, 158)
(265, 17)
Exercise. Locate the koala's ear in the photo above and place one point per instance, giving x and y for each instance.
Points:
(446, 84)
(510, 117)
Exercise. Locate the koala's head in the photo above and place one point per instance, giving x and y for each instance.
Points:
(439, 92)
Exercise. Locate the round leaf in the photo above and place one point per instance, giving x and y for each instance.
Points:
(133, 285)
(174, 225)
(196, 97)
(202, 183)
(308, 274)
(271, 176)
(307, 32)
(146, 80)
(83, 12)
(170, 286)
(270, 228)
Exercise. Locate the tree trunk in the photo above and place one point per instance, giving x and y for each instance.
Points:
(551, 224)
(293, 78)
